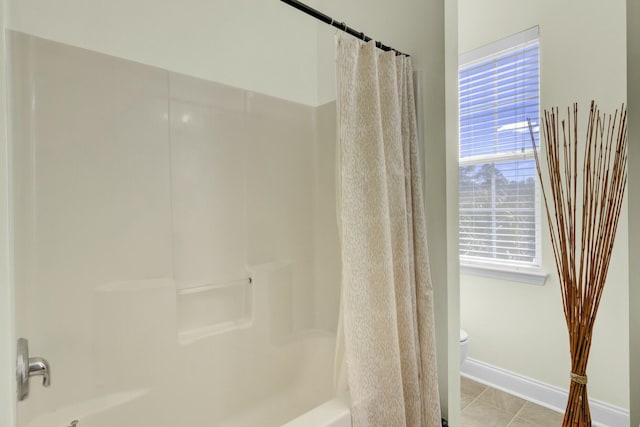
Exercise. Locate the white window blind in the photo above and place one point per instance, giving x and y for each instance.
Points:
(499, 201)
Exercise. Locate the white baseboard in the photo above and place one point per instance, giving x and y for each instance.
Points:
(552, 397)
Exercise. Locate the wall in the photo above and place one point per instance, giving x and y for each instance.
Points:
(633, 97)
(521, 327)
(451, 183)
(326, 258)
(7, 358)
(257, 45)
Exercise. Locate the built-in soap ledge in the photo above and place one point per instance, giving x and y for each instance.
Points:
(137, 285)
(213, 309)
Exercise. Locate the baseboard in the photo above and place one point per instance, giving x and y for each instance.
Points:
(552, 397)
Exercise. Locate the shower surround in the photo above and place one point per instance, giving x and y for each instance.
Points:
(175, 244)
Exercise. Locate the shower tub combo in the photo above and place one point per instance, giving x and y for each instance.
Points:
(176, 246)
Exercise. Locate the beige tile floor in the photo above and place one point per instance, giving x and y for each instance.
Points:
(483, 406)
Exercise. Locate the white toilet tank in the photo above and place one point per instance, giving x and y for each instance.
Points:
(464, 343)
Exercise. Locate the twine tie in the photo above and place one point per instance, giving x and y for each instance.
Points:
(580, 379)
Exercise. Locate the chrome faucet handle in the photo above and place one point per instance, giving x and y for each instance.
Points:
(28, 367)
(39, 366)
(74, 423)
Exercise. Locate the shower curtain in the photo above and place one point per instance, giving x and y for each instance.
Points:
(387, 324)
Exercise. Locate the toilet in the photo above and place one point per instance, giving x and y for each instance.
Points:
(464, 343)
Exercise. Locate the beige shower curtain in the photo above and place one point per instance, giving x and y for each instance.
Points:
(387, 299)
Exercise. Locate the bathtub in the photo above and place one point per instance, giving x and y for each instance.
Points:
(333, 413)
(289, 390)
(94, 412)
(151, 368)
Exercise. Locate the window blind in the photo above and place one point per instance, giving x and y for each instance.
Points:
(499, 91)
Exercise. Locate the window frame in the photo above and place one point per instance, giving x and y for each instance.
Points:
(526, 272)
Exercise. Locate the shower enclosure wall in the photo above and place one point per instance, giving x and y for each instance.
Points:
(176, 249)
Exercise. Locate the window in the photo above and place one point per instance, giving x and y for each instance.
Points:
(499, 197)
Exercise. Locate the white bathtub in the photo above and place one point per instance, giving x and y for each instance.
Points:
(333, 413)
(292, 383)
(296, 378)
(62, 417)
(146, 371)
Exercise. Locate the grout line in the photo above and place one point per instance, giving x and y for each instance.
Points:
(518, 413)
(475, 398)
(515, 416)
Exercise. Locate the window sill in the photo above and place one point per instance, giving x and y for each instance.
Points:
(532, 276)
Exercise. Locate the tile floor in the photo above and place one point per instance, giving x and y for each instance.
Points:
(483, 406)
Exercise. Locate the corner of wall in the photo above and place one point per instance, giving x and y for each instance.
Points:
(451, 141)
(7, 395)
(633, 191)
(325, 65)
(435, 57)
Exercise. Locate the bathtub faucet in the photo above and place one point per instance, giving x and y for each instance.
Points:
(27, 367)
(39, 366)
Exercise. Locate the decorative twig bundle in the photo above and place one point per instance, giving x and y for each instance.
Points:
(582, 239)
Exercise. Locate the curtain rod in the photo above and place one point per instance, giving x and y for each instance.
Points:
(339, 25)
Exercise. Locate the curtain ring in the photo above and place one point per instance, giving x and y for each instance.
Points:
(363, 37)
